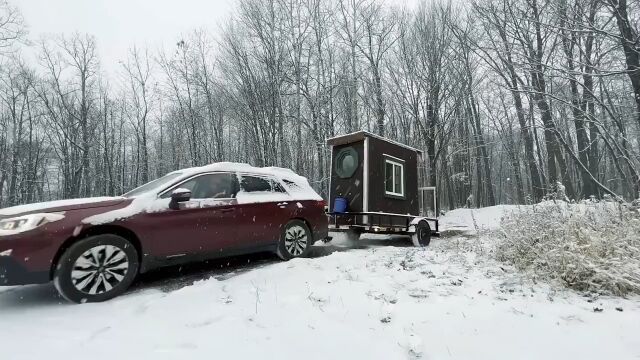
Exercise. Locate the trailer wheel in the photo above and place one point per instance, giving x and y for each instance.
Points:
(422, 236)
(352, 236)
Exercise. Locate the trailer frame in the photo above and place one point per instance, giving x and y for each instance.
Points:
(373, 222)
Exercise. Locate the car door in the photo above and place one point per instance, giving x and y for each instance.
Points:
(265, 208)
(204, 225)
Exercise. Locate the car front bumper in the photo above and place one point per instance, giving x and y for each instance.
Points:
(26, 258)
(13, 273)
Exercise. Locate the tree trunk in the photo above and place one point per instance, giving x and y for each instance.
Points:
(379, 100)
(536, 180)
(484, 153)
(629, 41)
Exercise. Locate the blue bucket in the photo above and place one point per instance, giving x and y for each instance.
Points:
(340, 205)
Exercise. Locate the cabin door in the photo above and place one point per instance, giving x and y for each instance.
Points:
(428, 205)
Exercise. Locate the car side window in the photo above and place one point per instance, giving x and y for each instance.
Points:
(255, 184)
(277, 187)
(210, 186)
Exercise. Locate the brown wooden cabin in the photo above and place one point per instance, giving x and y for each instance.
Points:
(374, 174)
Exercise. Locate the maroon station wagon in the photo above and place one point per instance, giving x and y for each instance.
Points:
(94, 248)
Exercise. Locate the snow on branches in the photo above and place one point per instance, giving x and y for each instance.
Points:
(591, 246)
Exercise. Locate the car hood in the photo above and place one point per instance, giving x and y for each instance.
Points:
(60, 205)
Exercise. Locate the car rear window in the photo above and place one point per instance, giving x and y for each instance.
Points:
(291, 185)
(252, 184)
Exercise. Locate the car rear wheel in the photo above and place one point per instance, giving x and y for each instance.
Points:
(96, 269)
(422, 236)
(295, 241)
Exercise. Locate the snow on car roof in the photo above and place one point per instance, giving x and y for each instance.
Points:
(281, 173)
(277, 172)
(302, 191)
(148, 202)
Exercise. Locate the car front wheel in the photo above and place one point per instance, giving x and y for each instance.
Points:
(295, 241)
(96, 269)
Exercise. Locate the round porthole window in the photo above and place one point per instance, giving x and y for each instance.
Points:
(346, 162)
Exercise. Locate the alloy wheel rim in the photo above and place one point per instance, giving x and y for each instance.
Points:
(99, 269)
(295, 240)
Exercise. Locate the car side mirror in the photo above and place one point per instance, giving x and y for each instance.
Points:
(179, 196)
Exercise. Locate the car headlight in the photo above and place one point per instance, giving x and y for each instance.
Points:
(24, 223)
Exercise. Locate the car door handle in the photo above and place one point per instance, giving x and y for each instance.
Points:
(283, 203)
(226, 210)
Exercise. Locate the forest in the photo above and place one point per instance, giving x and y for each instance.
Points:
(512, 101)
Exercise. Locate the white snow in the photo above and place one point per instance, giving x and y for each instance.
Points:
(380, 300)
(144, 203)
(468, 219)
(15, 210)
(369, 134)
(261, 197)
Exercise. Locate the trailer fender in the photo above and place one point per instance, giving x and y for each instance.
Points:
(433, 224)
(414, 222)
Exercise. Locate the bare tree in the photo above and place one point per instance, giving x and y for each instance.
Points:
(629, 41)
(378, 37)
(68, 96)
(139, 83)
(505, 98)
(12, 27)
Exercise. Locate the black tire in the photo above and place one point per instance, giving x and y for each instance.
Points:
(96, 269)
(422, 236)
(352, 236)
(295, 241)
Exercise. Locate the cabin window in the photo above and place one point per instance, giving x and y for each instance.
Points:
(346, 162)
(394, 178)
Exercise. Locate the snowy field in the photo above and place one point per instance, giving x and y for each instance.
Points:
(378, 299)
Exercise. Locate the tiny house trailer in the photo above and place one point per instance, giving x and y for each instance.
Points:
(375, 187)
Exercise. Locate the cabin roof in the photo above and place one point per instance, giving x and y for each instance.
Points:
(360, 135)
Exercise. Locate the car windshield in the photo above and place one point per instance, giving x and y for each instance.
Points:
(152, 185)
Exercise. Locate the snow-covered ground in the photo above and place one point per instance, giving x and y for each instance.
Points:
(378, 299)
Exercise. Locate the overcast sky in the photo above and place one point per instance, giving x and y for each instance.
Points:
(119, 24)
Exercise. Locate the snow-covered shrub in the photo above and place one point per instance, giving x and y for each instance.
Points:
(591, 246)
